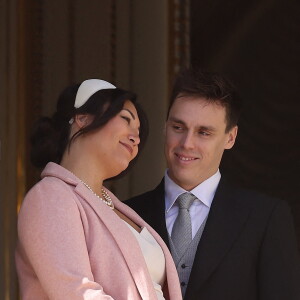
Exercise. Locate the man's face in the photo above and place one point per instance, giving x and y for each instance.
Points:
(195, 140)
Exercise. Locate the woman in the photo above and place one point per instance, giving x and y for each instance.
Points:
(76, 239)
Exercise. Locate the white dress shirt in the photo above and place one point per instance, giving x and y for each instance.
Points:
(199, 210)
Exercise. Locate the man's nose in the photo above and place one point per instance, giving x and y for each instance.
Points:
(187, 141)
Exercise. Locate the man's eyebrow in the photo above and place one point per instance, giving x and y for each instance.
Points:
(133, 117)
(201, 127)
(172, 119)
(208, 128)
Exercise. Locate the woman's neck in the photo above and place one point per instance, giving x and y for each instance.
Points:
(86, 170)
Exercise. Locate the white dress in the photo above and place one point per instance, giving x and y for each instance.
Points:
(154, 257)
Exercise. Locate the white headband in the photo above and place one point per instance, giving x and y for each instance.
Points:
(88, 88)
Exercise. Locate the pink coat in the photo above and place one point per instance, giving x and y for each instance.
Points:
(73, 246)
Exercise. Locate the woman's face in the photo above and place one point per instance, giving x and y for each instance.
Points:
(116, 144)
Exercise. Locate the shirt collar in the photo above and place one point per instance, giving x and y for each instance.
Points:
(205, 191)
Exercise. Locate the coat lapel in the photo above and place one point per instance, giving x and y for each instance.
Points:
(126, 241)
(225, 223)
(123, 237)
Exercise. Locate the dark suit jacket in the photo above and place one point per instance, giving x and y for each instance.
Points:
(248, 250)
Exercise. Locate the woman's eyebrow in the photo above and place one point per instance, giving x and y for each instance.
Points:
(133, 117)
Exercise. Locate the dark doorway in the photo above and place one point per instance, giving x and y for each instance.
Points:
(256, 44)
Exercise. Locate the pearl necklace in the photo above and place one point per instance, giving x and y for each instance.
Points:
(107, 200)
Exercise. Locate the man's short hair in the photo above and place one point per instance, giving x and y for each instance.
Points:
(211, 86)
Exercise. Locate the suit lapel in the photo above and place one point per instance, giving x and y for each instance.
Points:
(224, 224)
(157, 218)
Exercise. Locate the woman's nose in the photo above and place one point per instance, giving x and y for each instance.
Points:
(134, 138)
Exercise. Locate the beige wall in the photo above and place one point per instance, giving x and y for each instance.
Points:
(131, 50)
(148, 77)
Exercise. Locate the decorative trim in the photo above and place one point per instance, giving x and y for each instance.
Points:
(179, 25)
(71, 45)
(21, 108)
(113, 42)
(34, 38)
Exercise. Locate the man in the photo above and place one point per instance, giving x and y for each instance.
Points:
(230, 243)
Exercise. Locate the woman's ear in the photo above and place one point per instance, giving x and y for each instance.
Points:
(83, 120)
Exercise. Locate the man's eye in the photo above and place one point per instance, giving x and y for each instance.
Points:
(126, 118)
(204, 133)
(177, 127)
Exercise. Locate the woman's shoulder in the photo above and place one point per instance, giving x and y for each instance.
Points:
(48, 193)
(50, 185)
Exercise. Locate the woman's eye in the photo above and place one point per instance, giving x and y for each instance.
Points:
(127, 119)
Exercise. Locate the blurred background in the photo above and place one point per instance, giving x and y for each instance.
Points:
(140, 45)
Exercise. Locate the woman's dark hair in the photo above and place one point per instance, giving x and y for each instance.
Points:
(51, 136)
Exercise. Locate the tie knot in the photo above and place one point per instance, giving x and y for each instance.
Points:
(185, 200)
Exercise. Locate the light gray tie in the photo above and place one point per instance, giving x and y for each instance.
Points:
(182, 228)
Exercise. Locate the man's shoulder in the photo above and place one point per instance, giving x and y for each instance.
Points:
(139, 200)
(248, 196)
(148, 197)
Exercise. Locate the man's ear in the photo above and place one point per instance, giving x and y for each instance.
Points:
(83, 120)
(231, 137)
